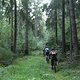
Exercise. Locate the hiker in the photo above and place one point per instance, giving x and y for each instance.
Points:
(47, 51)
(53, 56)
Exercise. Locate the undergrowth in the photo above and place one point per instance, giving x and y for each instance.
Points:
(36, 68)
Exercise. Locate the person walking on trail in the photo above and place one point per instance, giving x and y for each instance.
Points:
(47, 51)
(53, 56)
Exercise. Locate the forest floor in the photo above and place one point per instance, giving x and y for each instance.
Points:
(36, 68)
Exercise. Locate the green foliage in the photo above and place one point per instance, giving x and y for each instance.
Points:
(4, 34)
(6, 56)
(36, 52)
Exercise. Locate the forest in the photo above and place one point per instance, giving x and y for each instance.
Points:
(27, 27)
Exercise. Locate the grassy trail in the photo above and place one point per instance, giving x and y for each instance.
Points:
(35, 68)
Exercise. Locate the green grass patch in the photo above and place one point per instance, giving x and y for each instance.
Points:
(36, 68)
(6, 56)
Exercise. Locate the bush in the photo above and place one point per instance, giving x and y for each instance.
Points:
(6, 56)
(59, 52)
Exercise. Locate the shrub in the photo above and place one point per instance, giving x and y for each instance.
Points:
(6, 56)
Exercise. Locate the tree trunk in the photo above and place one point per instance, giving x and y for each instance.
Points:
(71, 40)
(26, 33)
(63, 28)
(56, 25)
(15, 27)
(26, 39)
(73, 27)
(25, 6)
(11, 2)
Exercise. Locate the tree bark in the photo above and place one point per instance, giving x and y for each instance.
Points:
(25, 6)
(26, 39)
(71, 40)
(63, 28)
(26, 33)
(15, 27)
(11, 2)
(56, 25)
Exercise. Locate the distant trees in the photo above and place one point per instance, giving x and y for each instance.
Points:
(27, 26)
(73, 27)
(66, 28)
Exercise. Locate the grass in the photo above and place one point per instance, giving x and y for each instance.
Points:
(35, 68)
